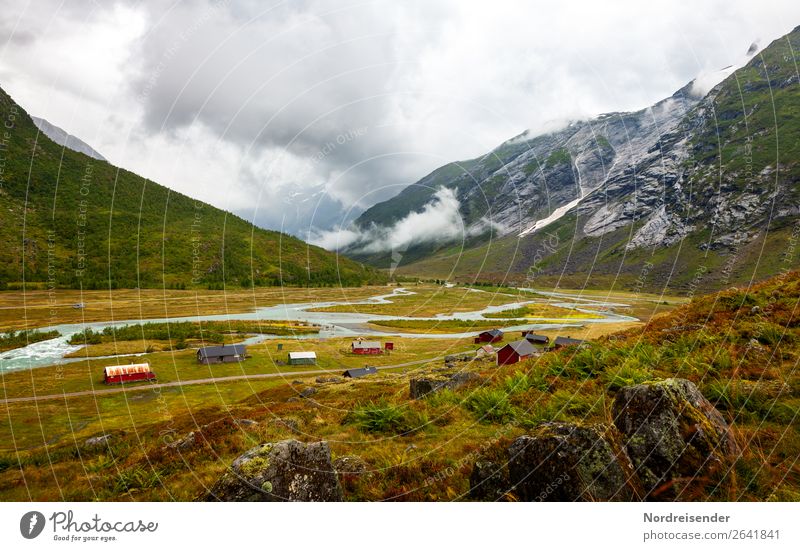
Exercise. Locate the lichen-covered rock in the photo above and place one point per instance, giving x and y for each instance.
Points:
(308, 391)
(350, 465)
(672, 434)
(488, 481)
(568, 462)
(422, 386)
(281, 471)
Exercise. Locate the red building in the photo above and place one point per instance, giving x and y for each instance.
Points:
(115, 374)
(366, 347)
(514, 352)
(494, 335)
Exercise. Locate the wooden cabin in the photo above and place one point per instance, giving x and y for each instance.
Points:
(366, 347)
(533, 338)
(563, 342)
(515, 351)
(302, 358)
(493, 335)
(118, 374)
(360, 372)
(222, 354)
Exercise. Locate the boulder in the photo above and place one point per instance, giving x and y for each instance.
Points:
(568, 462)
(183, 444)
(488, 481)
(422, 386)
(672, 434)
(280, 471)
(350, 465)
(97, 442)
(308, 391)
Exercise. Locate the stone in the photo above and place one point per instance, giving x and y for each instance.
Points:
(183, 444)
(488, 481)
(422, 386)
(323, 380)
(97, 442)
(350, 465)
(280, 471)
(287, 422)
(672, 434)
(246, 423)
(569, 462)
(308, 391)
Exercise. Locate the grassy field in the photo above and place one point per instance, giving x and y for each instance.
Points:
(26, 310)
(535, 311)
(429, 301)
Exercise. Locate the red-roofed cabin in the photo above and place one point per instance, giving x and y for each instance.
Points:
(115, 374)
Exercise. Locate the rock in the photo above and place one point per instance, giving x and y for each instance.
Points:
(755, 310)
(183, 444)
(293, 399)
(488, 481)
(423, 386)
(281, 471)
(350, 465)
(296, 382)
(672, 434)
(246, 423)
(568, 462)
(322, 380)
(308, 391)
(96, 442)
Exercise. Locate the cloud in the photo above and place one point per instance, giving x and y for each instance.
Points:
(238, 103)
(439, 221)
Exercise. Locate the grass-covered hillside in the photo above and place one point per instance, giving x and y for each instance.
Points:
(72, 221)
(740, 347)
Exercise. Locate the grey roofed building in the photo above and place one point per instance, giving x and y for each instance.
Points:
(222, 354)
(360, 372)
(537, 339)
(567, 341)
(365, 344)
(522, 347)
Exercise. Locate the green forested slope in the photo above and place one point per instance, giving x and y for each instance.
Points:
(68, 220)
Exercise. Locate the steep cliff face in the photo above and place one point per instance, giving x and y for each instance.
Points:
(713, 172)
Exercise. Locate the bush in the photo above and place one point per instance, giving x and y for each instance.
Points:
(522, 382)
(630, 372)
(491, 405)
(382, 417)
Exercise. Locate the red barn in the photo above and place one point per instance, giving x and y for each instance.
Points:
(494, 335)
(366, 347)
(514, 352)
(114, 374)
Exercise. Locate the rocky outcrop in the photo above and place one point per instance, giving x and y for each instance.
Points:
(488, 481)
(672, 434)
(422, 386)
(281, 471)
(568, 462)
(97, 442)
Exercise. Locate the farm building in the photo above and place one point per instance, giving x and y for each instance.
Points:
(115, 374)
(366, 347)
(563, 342)
(485, 351)
(493, 335)
(514, 352)
(360, 372)
(222, 354)
(302, 358)
(533, 338)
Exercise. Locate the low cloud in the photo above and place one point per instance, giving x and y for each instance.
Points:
(439, 221)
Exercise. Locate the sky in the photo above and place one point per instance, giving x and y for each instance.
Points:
(299, 115)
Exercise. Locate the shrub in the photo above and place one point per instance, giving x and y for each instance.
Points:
(382, 417)
(522, 382)
(630, 372)
(490, 404)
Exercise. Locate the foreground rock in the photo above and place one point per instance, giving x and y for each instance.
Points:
(672, 434)
(422, 386)
(281, 471)
(488, 481)
(568, 462)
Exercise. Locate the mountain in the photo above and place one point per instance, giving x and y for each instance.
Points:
(701, 185)
(71, 220)
(64, 139)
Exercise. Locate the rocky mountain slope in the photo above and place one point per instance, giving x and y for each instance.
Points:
(698, 181)
(70, 220)
(65, 139)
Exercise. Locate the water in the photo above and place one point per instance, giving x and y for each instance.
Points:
(338, 324)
